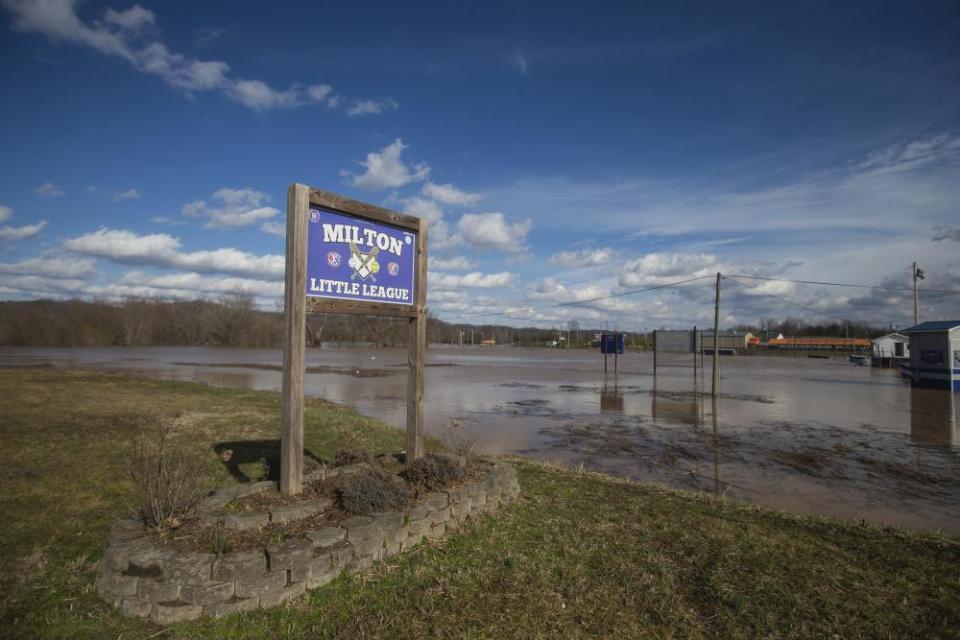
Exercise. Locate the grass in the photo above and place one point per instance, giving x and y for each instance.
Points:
(581, 555)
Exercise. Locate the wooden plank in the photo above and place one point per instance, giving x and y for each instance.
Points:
(336, 202)
(294, 337)
(417, 353)
(361, 307)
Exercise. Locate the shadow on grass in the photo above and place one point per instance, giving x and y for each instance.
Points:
(252, 460)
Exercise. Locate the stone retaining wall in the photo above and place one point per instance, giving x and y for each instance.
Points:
(146, 580)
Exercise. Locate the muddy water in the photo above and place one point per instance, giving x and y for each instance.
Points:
(817, 436)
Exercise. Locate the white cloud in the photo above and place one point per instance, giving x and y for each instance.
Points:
(491, 231)
(912, 154)
(238, 208)
(456, 263)
(129, 194)
(22, 233)
(125, 34)
(133, 19)
(449, 194)
(659, 268)
(582, 258)
(259, 96)
(49, 190)
(385, 169)
(12, 234)
(473, 279)
(371, 107)
(195, 283)
(51, 266)
(422, 208)
(323, 93)
(163, 250)
(275, 228)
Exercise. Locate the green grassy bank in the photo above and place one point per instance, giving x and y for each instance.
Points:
(579, 555)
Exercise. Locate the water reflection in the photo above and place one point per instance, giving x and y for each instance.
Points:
(934, 418)
(611, 401)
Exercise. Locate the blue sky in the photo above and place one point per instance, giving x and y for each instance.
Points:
(559, 151)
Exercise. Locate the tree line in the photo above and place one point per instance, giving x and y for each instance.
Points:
(235, 321)
(229, 321)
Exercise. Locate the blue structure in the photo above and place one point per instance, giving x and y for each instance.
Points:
(935, 354)
(611, 343)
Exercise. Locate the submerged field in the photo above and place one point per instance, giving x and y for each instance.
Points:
(580, 554)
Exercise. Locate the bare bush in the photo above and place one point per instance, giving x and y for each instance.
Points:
(434, 471)
(460, 439)
(369, 491)
(343, 457)
(166, 483)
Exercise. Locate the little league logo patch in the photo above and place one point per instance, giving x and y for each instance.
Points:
(334, 259)
(314, 215)
(364, 265)
(393, 268)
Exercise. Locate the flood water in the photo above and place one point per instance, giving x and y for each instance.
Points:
(811, 435)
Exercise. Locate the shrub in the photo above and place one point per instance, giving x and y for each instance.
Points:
(166, 482)
(460, 439)
(369, 491)
(343, 457)
(434, 471)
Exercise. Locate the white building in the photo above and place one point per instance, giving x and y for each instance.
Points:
(890, 350)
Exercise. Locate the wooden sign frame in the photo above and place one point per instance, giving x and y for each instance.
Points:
(296, 305)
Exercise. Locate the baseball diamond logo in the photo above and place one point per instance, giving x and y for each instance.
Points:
(364, 265)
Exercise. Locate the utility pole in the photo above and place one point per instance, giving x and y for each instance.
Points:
(716, 342)
(917, 275)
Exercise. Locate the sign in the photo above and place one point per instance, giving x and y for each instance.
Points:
(345, 256)
(611, 343)
(352, 258)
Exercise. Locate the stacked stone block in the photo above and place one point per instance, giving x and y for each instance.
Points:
(145, 580)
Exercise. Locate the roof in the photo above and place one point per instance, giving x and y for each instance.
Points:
(936, 325)
(896, 337)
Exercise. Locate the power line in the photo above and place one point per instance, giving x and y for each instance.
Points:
(619, 294)
(788, 301)
(844, 284)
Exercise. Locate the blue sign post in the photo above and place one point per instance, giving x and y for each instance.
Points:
(611, 343)
(345, 256)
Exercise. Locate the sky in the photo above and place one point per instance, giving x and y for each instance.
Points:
(560, 152)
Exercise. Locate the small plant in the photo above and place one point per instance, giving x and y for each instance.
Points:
(434, 471)
(459, 439)
(220, 544)
(166, 483)
(369, 491)
(343, 457)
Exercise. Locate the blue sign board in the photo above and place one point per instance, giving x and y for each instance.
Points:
(352, 258)
(611, 343)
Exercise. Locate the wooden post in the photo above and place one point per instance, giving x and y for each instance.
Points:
(694, 357)
(295, 319)
(916, 297)
(654, 354)
(417, 354)
(716, 342)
